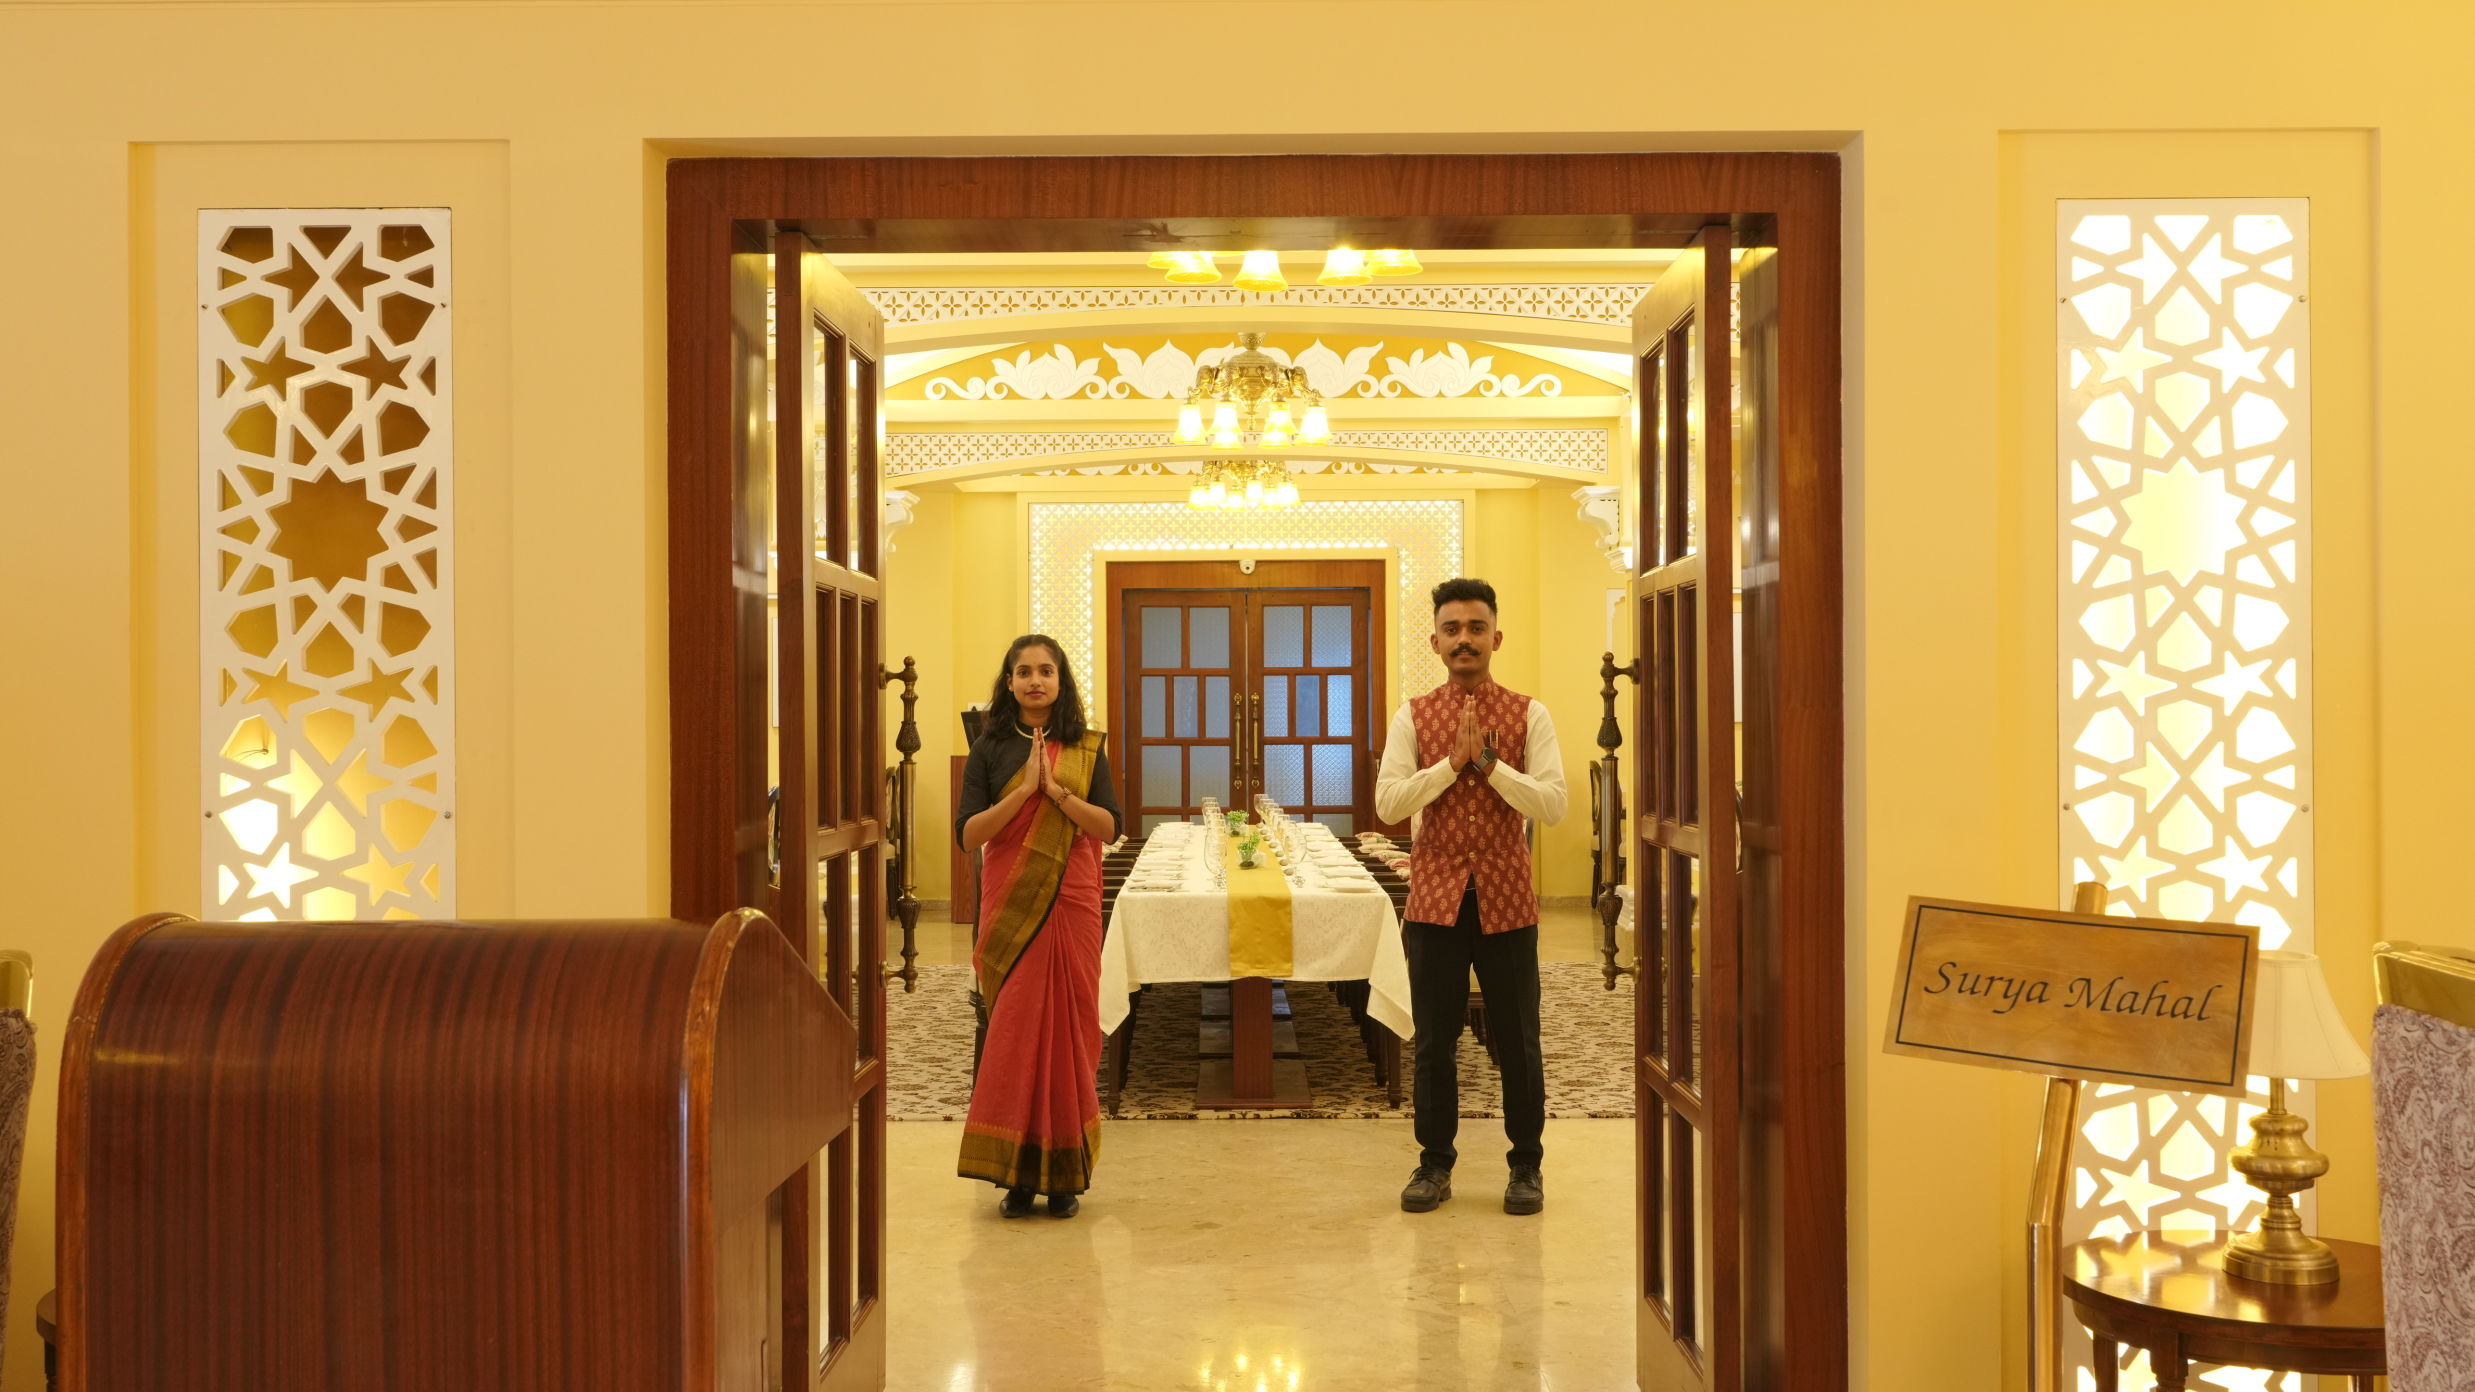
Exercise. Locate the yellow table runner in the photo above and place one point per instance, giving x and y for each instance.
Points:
(1260, 936)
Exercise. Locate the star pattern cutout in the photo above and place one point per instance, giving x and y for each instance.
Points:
(278, 876)
(327, 504)
(2184, 569)
(2131, 362)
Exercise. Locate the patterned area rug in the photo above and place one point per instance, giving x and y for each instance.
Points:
(1587, 1036)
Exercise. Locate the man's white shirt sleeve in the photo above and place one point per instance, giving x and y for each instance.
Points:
(1539, 793)
(1401, 787)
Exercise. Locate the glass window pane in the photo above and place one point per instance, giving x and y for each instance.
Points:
(1216, 708)
(1186, 724)
(1342, 823)
(1339, 712)
(1276, 706)
(1284, 635)
(1161, 635)
(1332, 635)
(1284, 769)
(1208, 765)
(1162, 766)
(1207, 637)
(1155, 707)
(1151, 824)
(1310, 705)
(1334, 767)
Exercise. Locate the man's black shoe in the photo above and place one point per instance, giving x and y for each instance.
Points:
(1427, 1188)
(1064, 1205)
(1524, 1194)
(1016, 1203)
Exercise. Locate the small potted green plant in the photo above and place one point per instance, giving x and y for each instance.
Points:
(1237, 824)
(1247, 849)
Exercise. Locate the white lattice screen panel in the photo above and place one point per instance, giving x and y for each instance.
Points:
(327, 583)
(2185, 443)
(1068, 539)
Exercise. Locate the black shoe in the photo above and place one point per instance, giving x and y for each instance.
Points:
(1016, 1203)
(1427, 1188)
(1525, 1194)
(1062, 1205)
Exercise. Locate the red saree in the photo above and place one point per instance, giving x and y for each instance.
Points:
(1035, 1110)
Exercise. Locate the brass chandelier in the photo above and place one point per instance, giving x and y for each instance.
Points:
(1254, 403)
(1234, 485)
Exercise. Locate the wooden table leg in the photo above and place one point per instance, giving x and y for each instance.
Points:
(1251, 1076)
(2109, 1360)
(2173, 1374)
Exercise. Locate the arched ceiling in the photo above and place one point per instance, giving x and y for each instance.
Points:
(1027, 365)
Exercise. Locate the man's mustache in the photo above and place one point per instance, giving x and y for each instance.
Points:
(1464, 649)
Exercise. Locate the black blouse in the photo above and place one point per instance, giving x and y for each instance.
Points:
(992, 765)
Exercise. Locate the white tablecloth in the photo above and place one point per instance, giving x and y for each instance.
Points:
(1171, 924)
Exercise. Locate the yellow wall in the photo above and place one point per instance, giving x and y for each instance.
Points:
(545, 125)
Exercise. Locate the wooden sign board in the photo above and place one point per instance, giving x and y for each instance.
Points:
(2148, 1001)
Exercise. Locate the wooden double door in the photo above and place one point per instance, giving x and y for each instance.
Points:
(1228, 679)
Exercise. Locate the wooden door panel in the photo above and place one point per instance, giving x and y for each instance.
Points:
(1268, 735)
(1687, 992)
(830, 897)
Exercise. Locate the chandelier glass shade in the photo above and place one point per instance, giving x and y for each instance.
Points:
(1250, 401)
(1234, 485)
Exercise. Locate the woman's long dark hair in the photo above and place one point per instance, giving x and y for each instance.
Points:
(1065, 715)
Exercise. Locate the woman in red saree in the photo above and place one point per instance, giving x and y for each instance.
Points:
(1038, 804)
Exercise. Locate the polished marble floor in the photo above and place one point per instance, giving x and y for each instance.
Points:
(1266, 1256)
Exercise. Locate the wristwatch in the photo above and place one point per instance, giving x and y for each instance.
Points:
(1486, 760)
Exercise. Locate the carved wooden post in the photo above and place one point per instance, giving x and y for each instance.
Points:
(906, 788)
(1607, 862)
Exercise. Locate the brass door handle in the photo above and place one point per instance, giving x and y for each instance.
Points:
(1255, 706)
(1237, 747)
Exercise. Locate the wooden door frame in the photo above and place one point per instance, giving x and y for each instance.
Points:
(1296, 573)
(1789, 200)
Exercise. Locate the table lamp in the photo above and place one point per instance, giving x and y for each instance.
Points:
(2296, 1033)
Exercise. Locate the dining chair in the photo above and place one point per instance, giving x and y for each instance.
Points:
(2423, 1115)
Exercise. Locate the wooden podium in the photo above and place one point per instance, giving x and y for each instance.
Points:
(420, 1156)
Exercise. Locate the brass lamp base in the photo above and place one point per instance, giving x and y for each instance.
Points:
(2280, 1164)
(2295, 1260)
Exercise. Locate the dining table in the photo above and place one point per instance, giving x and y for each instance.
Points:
(1172, 923)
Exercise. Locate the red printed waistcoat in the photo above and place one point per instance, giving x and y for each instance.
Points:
(1471, 830)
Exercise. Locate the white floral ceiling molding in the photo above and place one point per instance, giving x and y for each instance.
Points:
(1582, 303)
(2184, 417)
(1337, 367)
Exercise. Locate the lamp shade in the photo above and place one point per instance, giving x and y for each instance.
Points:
(2296, 1029)
(1260, 271)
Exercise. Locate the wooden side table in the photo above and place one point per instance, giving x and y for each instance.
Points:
(2168, 1292)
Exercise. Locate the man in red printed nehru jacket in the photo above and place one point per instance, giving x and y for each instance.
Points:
(1474, 763)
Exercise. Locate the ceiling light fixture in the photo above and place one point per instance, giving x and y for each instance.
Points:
(1260, 272)
(1254, 402)
(1342, 266)
(1235, 485)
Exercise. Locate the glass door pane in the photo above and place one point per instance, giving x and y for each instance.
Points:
(1185, 733)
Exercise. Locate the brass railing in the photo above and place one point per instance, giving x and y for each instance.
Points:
(902, 880)
(1608, 829)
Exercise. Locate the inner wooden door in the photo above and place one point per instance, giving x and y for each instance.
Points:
(1686, 1008)
(1235, 680)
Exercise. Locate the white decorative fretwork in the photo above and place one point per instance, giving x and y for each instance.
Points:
(1589, 304)
(2186, 770)
(327, 583)
(916, 451)
(1068, 540)
(1602, 508)
(1445, 369)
